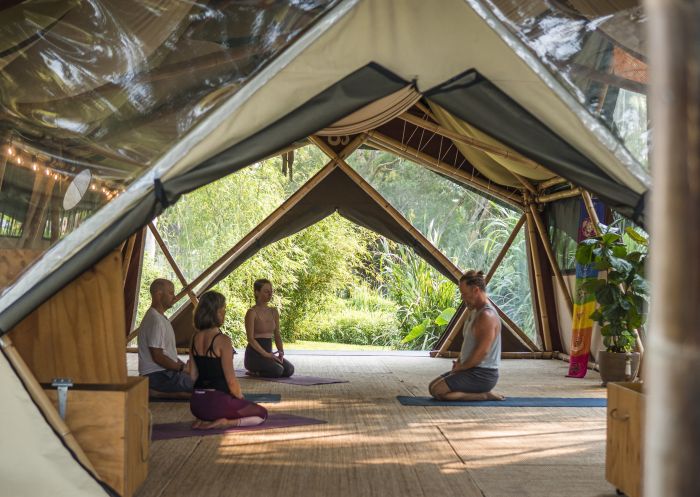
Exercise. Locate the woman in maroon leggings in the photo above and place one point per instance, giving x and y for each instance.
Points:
(217, 401)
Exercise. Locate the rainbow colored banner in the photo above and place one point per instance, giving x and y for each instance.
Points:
(584, 302)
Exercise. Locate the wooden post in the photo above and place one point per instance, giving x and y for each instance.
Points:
(550, 257)
(172, 262)
(539, 286)
(672, 448)
(505, 248)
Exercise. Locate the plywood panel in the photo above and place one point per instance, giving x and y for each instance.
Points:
(79, 332)
(624, 447)
(110, 422)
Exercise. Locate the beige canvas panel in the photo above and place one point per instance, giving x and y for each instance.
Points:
(495, 167)
(410, 39)
(375, 114)
(33, 461)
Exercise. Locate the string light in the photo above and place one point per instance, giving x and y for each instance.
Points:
(30, 161)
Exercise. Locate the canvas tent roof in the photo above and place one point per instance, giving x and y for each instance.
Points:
(159, 120)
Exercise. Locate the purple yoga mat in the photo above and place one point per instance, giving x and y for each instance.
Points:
(292, 380)
(167, 431)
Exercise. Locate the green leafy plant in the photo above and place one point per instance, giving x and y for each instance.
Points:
(622, 294)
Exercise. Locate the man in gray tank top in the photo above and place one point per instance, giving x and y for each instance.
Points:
(475, 374)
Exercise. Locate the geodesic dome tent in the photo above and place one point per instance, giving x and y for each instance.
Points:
(527, 104)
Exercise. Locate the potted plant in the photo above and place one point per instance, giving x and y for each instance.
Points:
(621, 296)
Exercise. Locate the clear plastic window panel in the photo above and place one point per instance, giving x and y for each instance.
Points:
(598, 51)
(93, 93)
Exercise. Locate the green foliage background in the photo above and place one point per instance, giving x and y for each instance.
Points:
(336, 281)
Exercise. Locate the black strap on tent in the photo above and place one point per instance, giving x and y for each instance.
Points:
(161, 194)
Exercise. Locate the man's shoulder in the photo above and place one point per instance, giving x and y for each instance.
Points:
(153, 319)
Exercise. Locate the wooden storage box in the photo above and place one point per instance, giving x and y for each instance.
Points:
(111, 423)
(625, 437)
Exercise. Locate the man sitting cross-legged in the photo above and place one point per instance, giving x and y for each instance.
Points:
(475, 374)
(167, 375)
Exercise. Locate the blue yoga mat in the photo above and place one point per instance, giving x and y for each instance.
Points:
(509, 402)
(253, 397)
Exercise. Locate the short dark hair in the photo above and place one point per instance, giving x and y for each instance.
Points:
(205, 315)
(159, 284)
(474, 278)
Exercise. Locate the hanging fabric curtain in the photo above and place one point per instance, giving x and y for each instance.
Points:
(375, 114)
(496, 167)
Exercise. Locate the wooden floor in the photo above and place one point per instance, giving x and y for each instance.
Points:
(372, 445)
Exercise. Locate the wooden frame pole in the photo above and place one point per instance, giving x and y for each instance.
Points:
(539, 286)
(171, 260)
(127, 253)
(505, 248)
(588, 202)
(396, 147)
(574, 192)
(550, 257)
(472, 142)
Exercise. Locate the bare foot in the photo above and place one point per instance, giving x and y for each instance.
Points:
(494, 396)
(220, 423)
(197, 424)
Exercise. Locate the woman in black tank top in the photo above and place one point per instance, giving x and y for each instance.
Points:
(217, 400)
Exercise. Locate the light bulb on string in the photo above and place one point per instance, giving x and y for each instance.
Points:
(10, 150)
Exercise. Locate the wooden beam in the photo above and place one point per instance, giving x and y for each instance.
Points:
(550, 257)
(551, 197)
(514, 328)
(171, 260)
(425, 110)
(590, 208)
(251, 237)
(550, 182)
(505, 248)
(472, 142)
(396, 147)
(539, 286)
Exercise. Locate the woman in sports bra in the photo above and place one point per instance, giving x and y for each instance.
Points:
(262, 324)
(217, 400)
